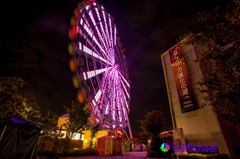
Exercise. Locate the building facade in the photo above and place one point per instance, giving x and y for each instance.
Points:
(189, 110)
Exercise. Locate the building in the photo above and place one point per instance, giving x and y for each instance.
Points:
(189, 110)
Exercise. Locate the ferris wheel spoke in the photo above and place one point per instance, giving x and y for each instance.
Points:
(111, 32)
(123, 107)
(86, 37)
(90, 33)
(101, 27)
(107, 109)
(125, 89)
(103, 87)
(88, 51)
(126, 103)
(115, 36)
(121, 100)
(112, 101)
(124, 79)
(106, 29)
(96, 27)
(93, 73)
(118, 104)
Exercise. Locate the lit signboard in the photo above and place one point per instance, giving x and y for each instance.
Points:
(182, 79)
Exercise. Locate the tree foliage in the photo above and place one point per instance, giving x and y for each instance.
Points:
(15, 101)
(78, 118)
(219, 59)
(49, 125)
(152, 122)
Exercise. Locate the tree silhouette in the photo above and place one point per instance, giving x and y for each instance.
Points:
(219, 40)
(16, 101)
(78, 121)
(153, 124)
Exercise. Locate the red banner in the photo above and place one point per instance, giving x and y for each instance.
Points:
(181, 79)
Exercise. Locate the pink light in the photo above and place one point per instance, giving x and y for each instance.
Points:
(90, 43)
(81, 21)
(125, 89)
(115, 34)
(94, 103)
(101, 27)
(116, 93)
(126, 102)
(91, 16)
(111, 37)
(105, 21)
(87, 50)
(99, 35)
(112, 93)
(87, 7)
(94, 38)
(124, 79)
(106, 111)
(98, 95)
(91, 74)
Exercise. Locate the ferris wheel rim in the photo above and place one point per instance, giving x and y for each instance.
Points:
(119, 68)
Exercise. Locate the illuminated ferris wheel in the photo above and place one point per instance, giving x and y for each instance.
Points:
(99, 63)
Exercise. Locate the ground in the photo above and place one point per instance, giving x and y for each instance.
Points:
(129, 155)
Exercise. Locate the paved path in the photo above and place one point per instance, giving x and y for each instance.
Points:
(129, 155)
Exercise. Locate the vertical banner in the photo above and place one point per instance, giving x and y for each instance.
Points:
(181, 79)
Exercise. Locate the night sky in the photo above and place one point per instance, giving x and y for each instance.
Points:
(33, 44)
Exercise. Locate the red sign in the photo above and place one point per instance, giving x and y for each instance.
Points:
(181, 79)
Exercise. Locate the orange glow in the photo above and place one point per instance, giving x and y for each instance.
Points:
(80, 97)
(75, 82)
(89, 106)
(73, 21)
(92, 119)
(72, 65)
(70, 34)
(70, 48)
(76, 13)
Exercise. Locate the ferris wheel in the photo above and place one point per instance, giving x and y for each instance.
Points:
(99, 63)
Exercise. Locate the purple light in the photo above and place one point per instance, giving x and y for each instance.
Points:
(124, 79)
(87, 50)
(99, 35)
(100, 70)
(125, 88)
(94, 38)
(93, 73)
(115, 33)
(106, 29)
(111, 38)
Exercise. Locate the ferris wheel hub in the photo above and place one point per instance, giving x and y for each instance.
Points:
(116, 66)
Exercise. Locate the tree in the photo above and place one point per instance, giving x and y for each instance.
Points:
(78, 118)
(219, 59)
(15, 101)
(152, 124)
(49, 131)
(78, 121)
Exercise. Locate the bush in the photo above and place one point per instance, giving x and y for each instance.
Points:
(201, 156)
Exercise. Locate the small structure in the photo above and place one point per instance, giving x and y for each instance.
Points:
(108, 145)
(18, 138)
